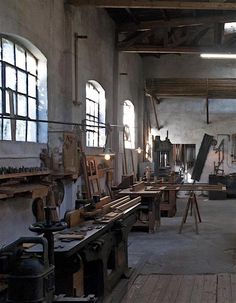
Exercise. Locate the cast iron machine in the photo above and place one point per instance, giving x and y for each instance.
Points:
(162, 156)
(30, 276)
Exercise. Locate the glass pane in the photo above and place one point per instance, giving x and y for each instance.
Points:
(20, 130)
(6, 129)
(0, 104)
(10, 78)
(102, 110)
(102, 137)
(0, 74)
(90, 107)
(22, 106)
(20, 57)
(95, 139)
(8, 51)
(89, 89)
(8, 105)
(91, 92)
(32, 86)
(96, 110)
(32, 132)
(31, 64)
(32, 108)
(21, 82)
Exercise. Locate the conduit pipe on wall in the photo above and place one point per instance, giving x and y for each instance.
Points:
(76, 37)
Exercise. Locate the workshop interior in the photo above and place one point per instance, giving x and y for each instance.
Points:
(117, 151)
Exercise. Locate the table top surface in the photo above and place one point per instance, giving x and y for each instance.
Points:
(147, 190)
(90, 230)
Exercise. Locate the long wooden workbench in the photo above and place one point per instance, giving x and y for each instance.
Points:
(169, 193)
(91, 257)
(150, 203)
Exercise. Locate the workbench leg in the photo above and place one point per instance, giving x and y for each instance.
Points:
(151, 220)
(195, 216)
(185, 215)
(158, 211)
(198, 212)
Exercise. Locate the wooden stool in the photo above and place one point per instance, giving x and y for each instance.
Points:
(192, 204)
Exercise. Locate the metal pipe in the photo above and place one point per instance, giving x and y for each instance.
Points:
(50, 121)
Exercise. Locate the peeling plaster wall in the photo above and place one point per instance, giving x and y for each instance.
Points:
(95, 56)
(130, 87)
(185, 118)
(50, 26)
(42, 23)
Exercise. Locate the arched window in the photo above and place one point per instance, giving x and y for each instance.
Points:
(23, 97)
(95, 114)
(128, 121)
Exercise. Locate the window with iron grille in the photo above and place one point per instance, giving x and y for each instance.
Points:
(128, 122)
(95, 115)
(18, 92)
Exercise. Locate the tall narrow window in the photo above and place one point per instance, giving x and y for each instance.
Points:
(95, 115)
(128, 121)
(18, 92)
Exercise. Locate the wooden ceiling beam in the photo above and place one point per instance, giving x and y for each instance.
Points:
(177, 22)
(164, 4)
(150, 49)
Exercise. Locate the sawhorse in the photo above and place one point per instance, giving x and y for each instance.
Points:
(192, 204)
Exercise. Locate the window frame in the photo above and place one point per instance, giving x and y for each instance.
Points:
(18, 93)
(95, 133)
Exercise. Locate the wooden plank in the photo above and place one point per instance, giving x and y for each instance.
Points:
(209, 289)
(197, 289)
(173, 289)
(4, 196)
(215, 5)
(159, 290)
(138, 186)
(176, 22)
(70, 236)
(103, 201)
(224, 288)
(165, 50)
(147, 290)
(24, 174)
(185, 290)
(233, 286)
(108, 206)
(128, 204)
(191, 87)
(22, 188)
(73, 217)
(135, 289)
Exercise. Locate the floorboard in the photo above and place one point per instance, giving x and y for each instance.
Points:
(204, 288)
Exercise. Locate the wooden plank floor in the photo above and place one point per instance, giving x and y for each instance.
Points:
(207, 288)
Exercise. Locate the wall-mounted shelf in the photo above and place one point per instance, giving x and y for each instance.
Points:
(10, 189)
(24, 174)
(33, 190)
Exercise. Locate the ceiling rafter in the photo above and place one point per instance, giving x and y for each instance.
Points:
(177, 22)
(153, 49)
(164, 4)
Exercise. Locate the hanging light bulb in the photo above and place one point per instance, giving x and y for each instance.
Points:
(107, 157)
(107, 153)
(139, 150)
